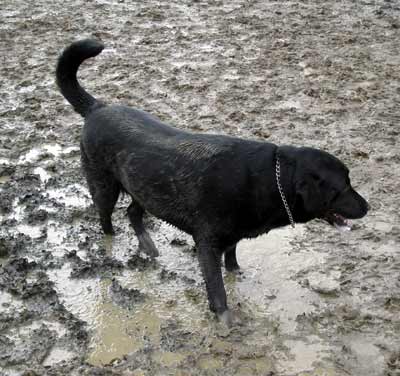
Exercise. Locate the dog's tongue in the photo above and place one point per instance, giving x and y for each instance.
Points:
(341, 223)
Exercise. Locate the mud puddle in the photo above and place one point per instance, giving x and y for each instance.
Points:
(264, 290)
(272, 262)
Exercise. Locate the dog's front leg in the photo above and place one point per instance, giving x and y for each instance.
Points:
(210, 263)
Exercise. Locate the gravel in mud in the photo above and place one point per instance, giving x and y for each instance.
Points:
(310, 301)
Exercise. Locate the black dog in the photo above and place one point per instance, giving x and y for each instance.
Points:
(219, 189)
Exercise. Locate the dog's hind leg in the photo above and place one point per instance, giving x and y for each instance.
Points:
(104, 189)
(231, 263)
(105, 194)
(135, 214)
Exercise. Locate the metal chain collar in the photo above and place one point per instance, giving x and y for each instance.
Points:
(278, 182)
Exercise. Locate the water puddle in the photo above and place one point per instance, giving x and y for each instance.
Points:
(8, 302)
(25, 337)
(118, 331)
(5, 161)
(19, 333)
(43, 174)
(50, 230)
(11, 372)
(270, 262)
(304, 355)
(33, 232)
(59, 328)
(38, 153)
(4, 179)
(366, 358)
(78, 295)
(55, 234)
(74, 195)
(289, 104)
(58, 355)
(17, 210)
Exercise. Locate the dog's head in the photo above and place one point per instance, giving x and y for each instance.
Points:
(323, 189)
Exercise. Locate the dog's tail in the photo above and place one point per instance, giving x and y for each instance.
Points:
(67, 67)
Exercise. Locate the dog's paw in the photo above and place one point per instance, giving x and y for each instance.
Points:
(235, 269)
(147, 246)
(226, 318)
(231, 264)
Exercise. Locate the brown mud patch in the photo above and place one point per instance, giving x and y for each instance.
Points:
(310, 301)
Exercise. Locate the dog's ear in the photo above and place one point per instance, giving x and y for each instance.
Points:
(309, 190)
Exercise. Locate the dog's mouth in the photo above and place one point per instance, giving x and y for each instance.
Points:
(337, 220)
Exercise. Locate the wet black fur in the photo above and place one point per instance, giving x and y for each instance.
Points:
(219, 189)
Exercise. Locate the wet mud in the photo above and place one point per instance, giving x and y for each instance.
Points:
(308, 301)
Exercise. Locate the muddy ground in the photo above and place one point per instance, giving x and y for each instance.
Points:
(312, 301)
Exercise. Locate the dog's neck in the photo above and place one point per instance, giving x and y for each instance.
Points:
(284, 173)
(280, 187)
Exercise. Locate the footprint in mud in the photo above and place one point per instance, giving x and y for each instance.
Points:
(138, 262)
(97, 264)
(125, 297)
